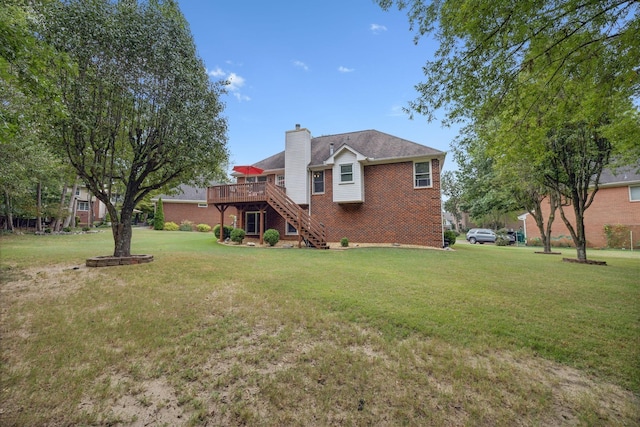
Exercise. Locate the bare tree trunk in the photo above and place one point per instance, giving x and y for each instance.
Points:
(39, 208)
(71, 206)
(8, 208)
(57, 223)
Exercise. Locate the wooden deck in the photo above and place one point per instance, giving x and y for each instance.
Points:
(267, 193)
(237, 193)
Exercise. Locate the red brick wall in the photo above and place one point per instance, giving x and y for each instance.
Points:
(392, 212)
(610, 206)
(178, 212)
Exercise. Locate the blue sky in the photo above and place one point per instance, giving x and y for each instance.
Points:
(333, 66)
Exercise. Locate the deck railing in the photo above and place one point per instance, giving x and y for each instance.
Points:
(234, 193)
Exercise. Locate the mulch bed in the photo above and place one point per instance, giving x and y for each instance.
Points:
(110, 261)
(584, 261)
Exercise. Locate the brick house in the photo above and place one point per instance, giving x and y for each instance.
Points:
(617, 203)
(189, 203)
(88, 208)
(367, 186)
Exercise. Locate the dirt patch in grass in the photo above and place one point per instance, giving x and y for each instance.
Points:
(267, 369)
(149, 402)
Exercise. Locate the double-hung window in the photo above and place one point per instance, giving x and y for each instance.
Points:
(422, 174)
(634, 193)
(318, 182)
(346, 173)
(83, 206)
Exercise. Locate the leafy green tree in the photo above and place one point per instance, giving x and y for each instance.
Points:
(486, 46)
(540, 78)
(158, 218)
(28, 106)
(452, 190)
(142, 112)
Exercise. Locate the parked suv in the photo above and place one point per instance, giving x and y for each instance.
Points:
(481, 235)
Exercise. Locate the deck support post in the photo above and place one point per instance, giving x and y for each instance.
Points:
(222, 208)
(261, 226)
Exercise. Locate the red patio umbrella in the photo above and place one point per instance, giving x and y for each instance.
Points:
(248, 170)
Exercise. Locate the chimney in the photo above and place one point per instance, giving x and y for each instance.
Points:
(297, 126)
(331, 149)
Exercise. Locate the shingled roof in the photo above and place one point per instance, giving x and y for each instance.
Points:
(370, 143)
(621, 176)
(185, 193)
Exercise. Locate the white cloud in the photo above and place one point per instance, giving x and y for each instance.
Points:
(234, 82)
(345, 69)
(377, 28)
(240, 97)
(216, 73)
(300, 64)
(396, 111)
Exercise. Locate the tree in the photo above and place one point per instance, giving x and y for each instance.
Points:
(28, 106)
(142, 113)
(541, 76)
(158, 218)
(486, 46)
(452, 190)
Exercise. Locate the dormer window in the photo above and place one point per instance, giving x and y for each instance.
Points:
(346, 173)
(422, 174)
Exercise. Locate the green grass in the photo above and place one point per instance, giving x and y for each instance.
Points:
(482, 335)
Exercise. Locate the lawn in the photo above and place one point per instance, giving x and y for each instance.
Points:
(225, 335)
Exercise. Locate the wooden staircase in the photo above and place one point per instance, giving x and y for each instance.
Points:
(310, 229)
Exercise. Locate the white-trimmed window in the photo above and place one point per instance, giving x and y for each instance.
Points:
(634, 193)
(202, 205)
(280, 180)
(291, 230)
(83, 206)
(422, 174)
(346, 173)
(318, 182)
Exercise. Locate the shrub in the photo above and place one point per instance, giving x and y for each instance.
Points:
(67, 229)
(502, 240)
(171, 226)
(158, 218)
(204, 228)
(186, 225)
(534, 241)
(237, 235)
(271, 236)
(227, 231)
(344, 242)
(85, 228)
(450, 235)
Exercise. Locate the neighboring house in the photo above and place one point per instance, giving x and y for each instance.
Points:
(367, 186)
(87, 207)
(617, 203)
(190, 204)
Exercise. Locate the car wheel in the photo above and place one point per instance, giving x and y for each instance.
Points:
(472, 240)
